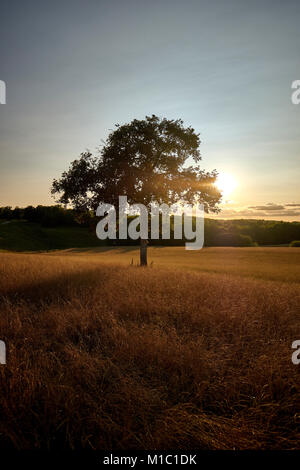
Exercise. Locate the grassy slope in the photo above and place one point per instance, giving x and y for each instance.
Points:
(26, 236)
(105, 355)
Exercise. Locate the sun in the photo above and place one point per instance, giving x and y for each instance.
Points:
(226, 183)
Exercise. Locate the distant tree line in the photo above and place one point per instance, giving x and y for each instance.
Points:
(249, 231)
(47, 216)
(242, 232)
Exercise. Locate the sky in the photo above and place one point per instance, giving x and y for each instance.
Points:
(73, 69)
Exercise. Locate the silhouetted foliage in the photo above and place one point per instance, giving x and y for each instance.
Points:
(144, 160)
(47, 216)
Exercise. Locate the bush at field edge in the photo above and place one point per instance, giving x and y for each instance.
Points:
(295, 243)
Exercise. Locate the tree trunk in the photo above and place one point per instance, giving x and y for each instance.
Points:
(143, 252)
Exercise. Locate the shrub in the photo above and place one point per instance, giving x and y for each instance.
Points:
(295, 243)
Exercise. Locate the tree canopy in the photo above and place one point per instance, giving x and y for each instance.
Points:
(150, 160)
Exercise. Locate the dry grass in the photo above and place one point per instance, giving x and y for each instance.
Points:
(270, 263)
(115, 357)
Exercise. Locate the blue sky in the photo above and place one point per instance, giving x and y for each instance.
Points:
(75, 68)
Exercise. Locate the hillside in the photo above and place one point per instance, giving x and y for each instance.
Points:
(52, 228)
(27, 236)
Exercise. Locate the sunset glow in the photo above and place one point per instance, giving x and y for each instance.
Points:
(226, 183)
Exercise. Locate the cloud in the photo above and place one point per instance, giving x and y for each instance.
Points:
(266, 211)
(286, 213)
(268, 207)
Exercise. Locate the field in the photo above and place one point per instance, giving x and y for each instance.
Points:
(276, 264)
(192, 352)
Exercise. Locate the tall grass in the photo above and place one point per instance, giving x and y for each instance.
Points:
(121, 357)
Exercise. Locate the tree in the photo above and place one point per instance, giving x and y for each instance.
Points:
(145, 160)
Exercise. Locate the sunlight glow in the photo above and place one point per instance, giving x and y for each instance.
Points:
(226, 183)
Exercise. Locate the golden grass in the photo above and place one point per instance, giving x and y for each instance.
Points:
(278, 264)
(111, 356)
